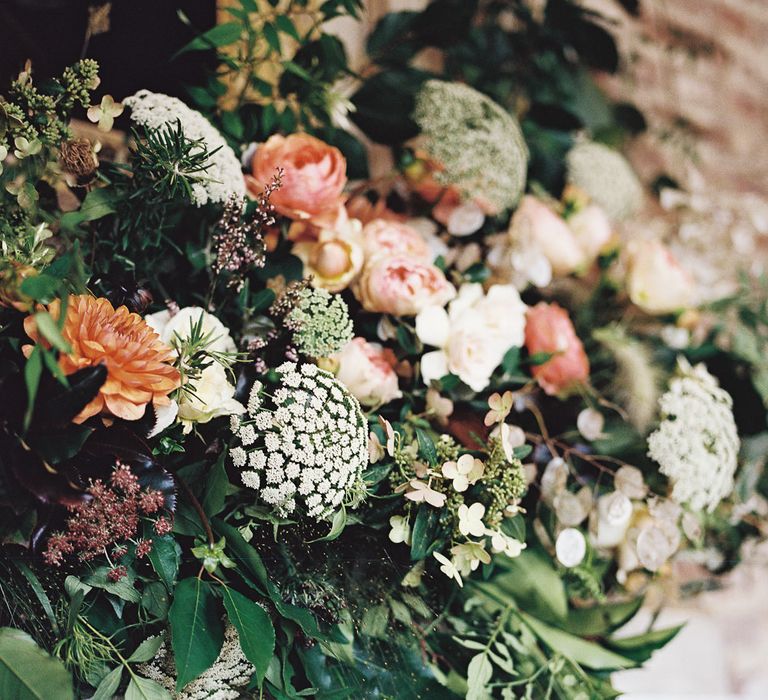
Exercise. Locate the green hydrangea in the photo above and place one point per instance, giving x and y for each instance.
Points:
(607, 177)
(320, 323)
(478, 143)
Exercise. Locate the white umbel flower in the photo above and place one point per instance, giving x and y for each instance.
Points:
(223, 178)
(309, 436)
(607, 177)
(696, 445)
(226, 679)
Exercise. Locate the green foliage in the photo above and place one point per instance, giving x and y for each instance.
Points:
(197, 632)
(29, 673)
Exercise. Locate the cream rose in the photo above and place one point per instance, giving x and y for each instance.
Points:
(656, 281)
(213, 397)
(402, 286)
(180, 324)
(366, 370)
(472, 335)
(211, 394)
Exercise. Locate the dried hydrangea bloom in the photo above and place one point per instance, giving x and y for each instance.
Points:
(224, 177)
(607, 177)
(304, 443)
(478, 144)
(139, 365)
(696, 445)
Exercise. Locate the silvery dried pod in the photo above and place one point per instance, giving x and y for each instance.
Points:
(569, 509)
(590, 424)
(614, 512)
(629, 480)
(554, 479)
(571, 547)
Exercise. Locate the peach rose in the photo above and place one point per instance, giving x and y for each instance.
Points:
(402, 286)
(335, 256)
(366, 369)
(382, 237)
(314, 175)
(548, 329)
(536, 226)
(656, 281)
(592, 230)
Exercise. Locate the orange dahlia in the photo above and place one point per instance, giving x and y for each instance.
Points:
(139, 365)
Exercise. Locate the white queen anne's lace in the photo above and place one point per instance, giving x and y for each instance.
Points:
(310, 444)
(223, 178)
(226, 679)
(696, 444)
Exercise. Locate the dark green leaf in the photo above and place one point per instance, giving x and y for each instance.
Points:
(270, 34)
(257, 635)
(216, 487)
(109, 684)
(424, 533)
(426, 447)
(284, 24)
(145, 689)
(640, 647)
(29, 673)
(42, 287)
(220, 35)
(575, 648)
(242, 552)
(197, 632)
(164, 557)
(146, 650)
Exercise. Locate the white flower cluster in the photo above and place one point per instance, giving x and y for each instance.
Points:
(304, 446)
(223, 178)
(696, 444)
(607, 177)
(225, 680)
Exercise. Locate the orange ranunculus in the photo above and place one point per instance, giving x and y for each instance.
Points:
(314, 175)
(548, 329)
(139, 364)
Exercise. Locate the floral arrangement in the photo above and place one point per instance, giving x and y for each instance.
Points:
(271, 428)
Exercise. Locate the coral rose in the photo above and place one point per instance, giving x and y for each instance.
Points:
(139, 365)
(402, 286)
(548, 329)
(382, 237)
(314, 175)
(366, 369)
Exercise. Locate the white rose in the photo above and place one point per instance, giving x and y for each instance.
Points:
(656, 282)
(181, 323)
(473, 335)
(364, 369)
(213, 397)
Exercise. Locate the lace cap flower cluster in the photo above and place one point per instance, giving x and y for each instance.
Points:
(320, 323)
(478, 144)
(303, 445)
(696, 445)
(223, 178)
(607, 177)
